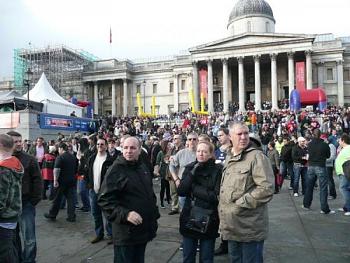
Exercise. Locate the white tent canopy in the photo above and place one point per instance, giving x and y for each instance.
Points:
(53, 102)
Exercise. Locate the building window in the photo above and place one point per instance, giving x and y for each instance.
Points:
(249, 26)
(330, 74)
(346, 74)
(157, 109)
(138, 88)
(267, 25)
(183, 84)
(171, 87)
(170, 109)
(154, 88)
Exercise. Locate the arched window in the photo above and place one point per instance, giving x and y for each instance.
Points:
(267, 27)
(249, 26)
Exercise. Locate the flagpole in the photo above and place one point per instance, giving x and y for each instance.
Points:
(110, 42)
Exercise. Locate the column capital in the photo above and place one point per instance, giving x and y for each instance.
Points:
(224, 60)
(290, 54)
(319, 63)
(308, 52)
(240, 59)
(273, 56)
(209, 61)
(113, 81)
(194, 63)
(340, 62)
(257, 58)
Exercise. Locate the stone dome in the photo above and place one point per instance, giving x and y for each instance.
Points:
(244, 8)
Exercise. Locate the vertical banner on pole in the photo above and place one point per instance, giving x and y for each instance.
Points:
(203, 83)
(300, 76)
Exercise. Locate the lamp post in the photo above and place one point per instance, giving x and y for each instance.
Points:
(26, 82)
(144, 95)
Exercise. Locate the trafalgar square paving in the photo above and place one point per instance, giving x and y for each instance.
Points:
(295, 235)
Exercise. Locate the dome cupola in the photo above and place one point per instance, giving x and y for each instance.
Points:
(251, 16)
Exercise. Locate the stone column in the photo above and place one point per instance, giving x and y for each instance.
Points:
(195, 86)
(225, 84)
(176, 93)
(274, 97)
(340, 79)
(113, 98)
(291, 75)
(257, 83)
(125, 97)
(308, 69)
(95, 98)
(320, 74)
(241, 87)
(210, 87)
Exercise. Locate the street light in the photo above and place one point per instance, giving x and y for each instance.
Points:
(144, 95)
(26, 82)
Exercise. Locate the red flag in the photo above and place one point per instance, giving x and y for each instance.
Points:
(110, 35)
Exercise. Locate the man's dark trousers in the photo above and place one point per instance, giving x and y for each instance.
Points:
(68, 193)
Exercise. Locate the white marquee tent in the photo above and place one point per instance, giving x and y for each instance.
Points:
(53, 102)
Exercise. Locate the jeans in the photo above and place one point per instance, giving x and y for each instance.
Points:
(287, 168)
(84, 194)
(164, 189)
(331, 185)
(314, 172)
(206, 254)
(27, 226)
(48, 185)
(130, 254)
(344, 187)
(9, 246)
(98, 216)
(68, 193)
(299, 171)
(246, 252)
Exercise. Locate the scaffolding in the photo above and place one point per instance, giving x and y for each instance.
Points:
(62, 66)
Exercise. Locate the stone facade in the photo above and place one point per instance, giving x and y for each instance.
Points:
(252, 63)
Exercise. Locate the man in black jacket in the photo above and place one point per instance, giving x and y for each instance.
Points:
(318, 154)
(286, 161)
(128, 199)
(65, 181)
(97, 167)
(32, 186)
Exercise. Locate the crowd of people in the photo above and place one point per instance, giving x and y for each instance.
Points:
(218, 172)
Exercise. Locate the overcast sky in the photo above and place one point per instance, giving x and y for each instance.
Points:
(146, 28)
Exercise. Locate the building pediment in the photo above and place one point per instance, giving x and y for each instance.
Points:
(252, 40)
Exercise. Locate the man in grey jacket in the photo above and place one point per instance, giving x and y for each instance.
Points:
(246, 189)
(181, 159)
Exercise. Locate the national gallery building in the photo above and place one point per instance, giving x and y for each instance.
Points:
(252, 62)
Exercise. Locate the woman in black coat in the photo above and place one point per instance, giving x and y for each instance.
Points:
(200, 184)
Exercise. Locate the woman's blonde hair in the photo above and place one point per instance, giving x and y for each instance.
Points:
(210, 146)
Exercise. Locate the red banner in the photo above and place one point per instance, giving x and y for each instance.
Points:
(300, 75)
(203, 82)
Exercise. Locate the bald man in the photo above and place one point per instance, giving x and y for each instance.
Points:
(129, 201)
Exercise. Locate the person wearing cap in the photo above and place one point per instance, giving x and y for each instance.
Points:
(299, 156)
(318, 152)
